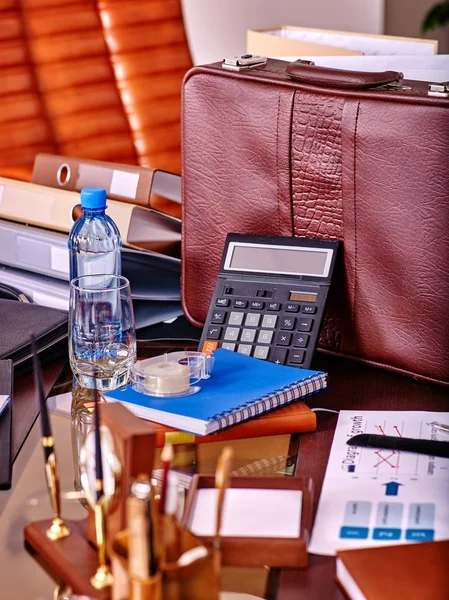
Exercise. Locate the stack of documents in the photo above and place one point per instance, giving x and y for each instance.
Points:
(416, 58)
(36, 219)
(304, 41)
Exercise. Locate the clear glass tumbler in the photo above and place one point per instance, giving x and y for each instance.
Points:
(102, 331)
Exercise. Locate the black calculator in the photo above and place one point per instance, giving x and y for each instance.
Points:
(270, 297)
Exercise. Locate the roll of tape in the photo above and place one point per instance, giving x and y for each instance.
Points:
(167, 378)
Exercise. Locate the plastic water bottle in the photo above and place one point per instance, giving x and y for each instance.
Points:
(94, 240)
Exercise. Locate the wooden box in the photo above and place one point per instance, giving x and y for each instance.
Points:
(272, 544)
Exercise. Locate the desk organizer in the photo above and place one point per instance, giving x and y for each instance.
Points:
(196, 581)
(74, 559)
(289, 535)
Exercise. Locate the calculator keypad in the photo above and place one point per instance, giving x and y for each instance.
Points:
(280, 332)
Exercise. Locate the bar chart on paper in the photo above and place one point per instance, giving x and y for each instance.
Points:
(372, 497)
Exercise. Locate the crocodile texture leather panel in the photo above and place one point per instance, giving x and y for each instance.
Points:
(317, 199)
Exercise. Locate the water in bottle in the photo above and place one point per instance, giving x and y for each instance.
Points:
(95, 256)
(94, 241)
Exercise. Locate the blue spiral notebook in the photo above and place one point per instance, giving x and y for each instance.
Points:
(240, 388)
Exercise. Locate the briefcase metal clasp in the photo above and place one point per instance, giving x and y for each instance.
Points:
(244, 61)
(439, 89)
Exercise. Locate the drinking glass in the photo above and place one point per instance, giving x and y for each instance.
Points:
(102, 331)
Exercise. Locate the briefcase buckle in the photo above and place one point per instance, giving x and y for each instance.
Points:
(243, 61)
(439, 89)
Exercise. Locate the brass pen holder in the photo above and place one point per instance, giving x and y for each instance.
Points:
(195, 580)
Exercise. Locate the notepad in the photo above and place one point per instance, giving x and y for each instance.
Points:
(248, 513)
(240, 388)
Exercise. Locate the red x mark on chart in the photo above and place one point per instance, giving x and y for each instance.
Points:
(385, 459)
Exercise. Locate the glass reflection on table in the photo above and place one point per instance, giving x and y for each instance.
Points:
(23, 578)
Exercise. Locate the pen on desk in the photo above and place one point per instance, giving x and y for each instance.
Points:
(58, 528)
(440, 426)
(140, 504)
(167, 456)
(171, 549)
(103, 575)
(222, 478)
(429, 447)
(138, 544)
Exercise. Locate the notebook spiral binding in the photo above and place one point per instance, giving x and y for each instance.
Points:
(284, 395)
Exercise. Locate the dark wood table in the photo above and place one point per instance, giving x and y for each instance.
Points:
(351, 386)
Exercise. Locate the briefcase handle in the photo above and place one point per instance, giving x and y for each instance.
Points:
(307, 72)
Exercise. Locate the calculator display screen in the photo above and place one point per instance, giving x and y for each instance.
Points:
(282, 260)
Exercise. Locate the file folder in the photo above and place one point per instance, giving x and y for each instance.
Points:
(152, 276)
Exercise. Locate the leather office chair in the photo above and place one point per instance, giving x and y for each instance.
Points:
(97, 79)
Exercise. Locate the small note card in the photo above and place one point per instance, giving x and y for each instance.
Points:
(268, 513)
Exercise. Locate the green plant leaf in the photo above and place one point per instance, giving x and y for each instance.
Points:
(437, 16)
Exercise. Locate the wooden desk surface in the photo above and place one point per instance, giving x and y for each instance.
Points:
(351, 386)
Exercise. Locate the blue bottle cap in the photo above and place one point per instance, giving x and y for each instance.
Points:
(93, 197)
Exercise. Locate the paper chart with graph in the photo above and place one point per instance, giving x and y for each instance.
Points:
(374, 497)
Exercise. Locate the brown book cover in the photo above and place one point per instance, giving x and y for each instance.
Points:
(293, 418)
(412, 571)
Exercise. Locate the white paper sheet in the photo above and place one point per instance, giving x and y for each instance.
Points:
(249, 513)
(369, 45)
(376, 497)
(414, 67)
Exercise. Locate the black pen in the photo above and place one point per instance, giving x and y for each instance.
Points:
(429, 447)
(58, 528)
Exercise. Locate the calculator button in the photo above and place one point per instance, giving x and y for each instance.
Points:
(265, 336)
(261, 352)
(278, 356)
(236, 318)
(232, 333)
(273, 306)
(214, 333)
(310, 310)
(287, 322)
(218, 316)
(240, 303)
(301, 341)
(252, 319)
(248, 335)
(305, 324)
(269, 321)
(292, 308)
(209, 346)
(228, 346)
(257, 304)
(283, 338)
(222, 302)
(296, 356)
(245, 349)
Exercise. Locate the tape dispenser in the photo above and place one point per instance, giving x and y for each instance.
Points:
(171, 375)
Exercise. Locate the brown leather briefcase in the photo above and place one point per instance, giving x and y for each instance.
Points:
(294, 149)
